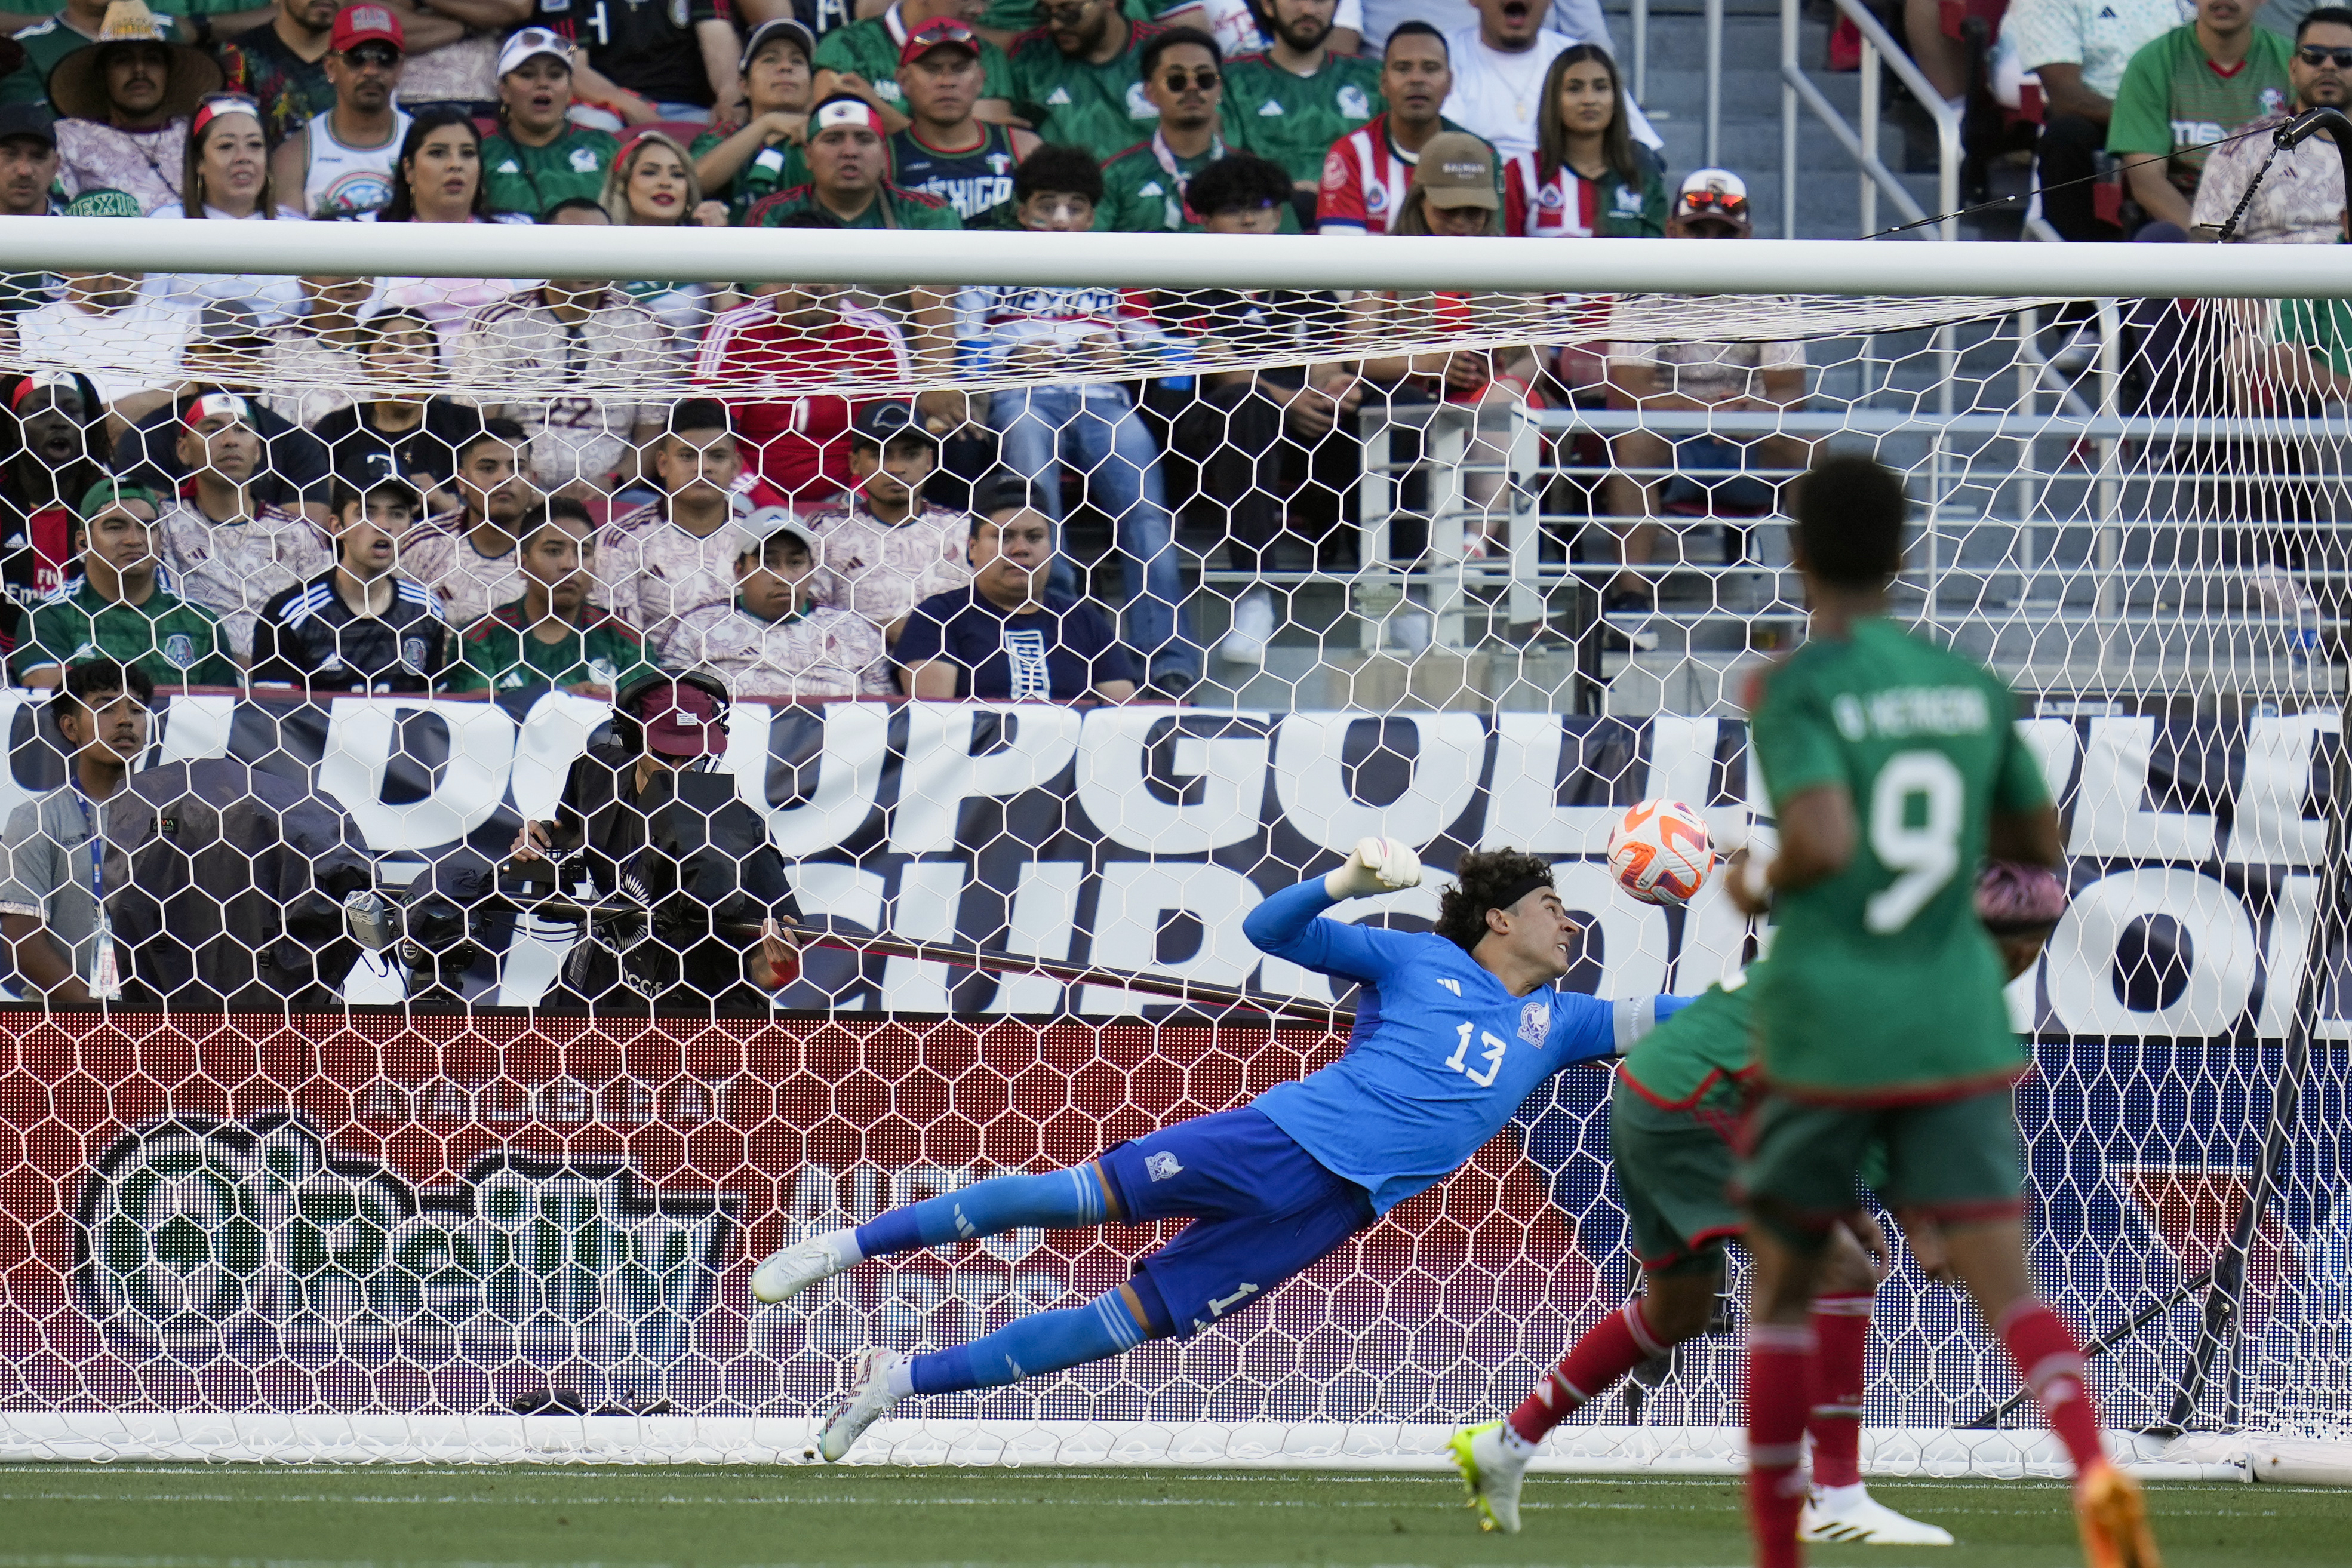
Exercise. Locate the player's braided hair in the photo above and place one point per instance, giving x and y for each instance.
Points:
(1487, 880)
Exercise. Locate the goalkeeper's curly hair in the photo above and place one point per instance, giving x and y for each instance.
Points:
(1481, 880)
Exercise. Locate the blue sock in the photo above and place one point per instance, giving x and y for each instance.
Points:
(1032, 1346)
(1056, 1201)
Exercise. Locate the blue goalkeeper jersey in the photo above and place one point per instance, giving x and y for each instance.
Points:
(1442, 1055)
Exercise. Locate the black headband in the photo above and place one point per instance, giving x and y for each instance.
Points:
(1511, 895)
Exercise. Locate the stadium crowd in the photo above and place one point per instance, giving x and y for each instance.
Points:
(646, 498)
(318, 468)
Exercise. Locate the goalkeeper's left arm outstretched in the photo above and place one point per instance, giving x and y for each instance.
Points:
(1457, 1028)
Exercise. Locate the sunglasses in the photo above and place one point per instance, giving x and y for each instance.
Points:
(381, 56)
(2314, 55)
(1695, 203)
(1203, 80)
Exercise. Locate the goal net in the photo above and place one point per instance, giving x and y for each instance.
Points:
(392, 1147)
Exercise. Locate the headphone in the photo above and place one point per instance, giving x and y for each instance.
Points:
(628, 720)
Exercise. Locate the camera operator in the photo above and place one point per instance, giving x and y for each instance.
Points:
(649, 827)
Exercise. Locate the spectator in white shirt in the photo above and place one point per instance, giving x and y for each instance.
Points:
(1579, 19)
(126, 337)
(1499, 64)
(225, 173)
(2077, 50)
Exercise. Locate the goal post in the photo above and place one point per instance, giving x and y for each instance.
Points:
(417, 1200)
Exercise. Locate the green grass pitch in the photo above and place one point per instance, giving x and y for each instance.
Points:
(91, 1516)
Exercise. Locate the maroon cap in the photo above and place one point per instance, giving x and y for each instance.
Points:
(683, 720)
(938, 33)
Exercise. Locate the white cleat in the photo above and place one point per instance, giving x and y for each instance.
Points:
(1493, 1472)
(788, 1273)
(869, 1400)
(1853, 1516)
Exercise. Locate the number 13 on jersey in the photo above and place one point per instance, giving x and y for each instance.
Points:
(1495, 1048)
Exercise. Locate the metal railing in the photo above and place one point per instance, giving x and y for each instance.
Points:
(1862, 143)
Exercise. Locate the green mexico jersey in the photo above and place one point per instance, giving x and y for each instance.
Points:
(779, 166)
(2173, 98)
(529, 180)
(1020, 16)
(2324, 327)
(1143, 189)
(1884, 986)
(890, 208)
(176, 643)
(1098, 108)
(870, 49)
(1704, 1047)
(497, 655)
(1294, 119)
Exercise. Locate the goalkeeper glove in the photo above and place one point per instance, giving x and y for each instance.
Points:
(1377, 865)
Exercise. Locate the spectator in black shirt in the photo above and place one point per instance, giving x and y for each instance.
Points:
(45, 432)
(1009, 638)
(650, 62)
(398, 432)
(362, 627)
(1267, 437)
(282, 66)
(229, 353)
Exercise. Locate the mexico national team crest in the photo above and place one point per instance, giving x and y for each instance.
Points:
(180, 648)
(1535, 1023)
(412, 654)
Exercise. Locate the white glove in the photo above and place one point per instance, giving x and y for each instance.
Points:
(1378, 866)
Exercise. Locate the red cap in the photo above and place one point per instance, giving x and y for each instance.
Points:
(938, 33)
(683, 722)
(357, 25)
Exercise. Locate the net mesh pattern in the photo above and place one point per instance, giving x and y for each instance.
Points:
(385, 1124)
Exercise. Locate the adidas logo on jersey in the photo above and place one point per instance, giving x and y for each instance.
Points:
(1059, 99)
(509, 167)
(1450, 984)
(1268, 109)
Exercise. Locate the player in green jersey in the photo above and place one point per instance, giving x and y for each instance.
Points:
(1673, 1113)
(1894, 767)
(1290, 103)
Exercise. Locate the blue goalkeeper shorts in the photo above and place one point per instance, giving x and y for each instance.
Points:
(1261, 1210)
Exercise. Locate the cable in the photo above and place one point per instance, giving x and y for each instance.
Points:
(1999, 203)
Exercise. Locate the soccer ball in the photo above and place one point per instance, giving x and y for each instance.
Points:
(1660, 852)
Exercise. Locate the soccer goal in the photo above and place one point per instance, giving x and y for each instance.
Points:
(1466, 544)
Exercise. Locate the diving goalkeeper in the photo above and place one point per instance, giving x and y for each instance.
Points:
(1455, 1030)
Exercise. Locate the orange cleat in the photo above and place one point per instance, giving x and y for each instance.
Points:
(2113, 1519)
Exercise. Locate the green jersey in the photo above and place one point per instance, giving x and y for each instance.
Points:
(1076, 103)
(1705, 1049)
(2173, 98)
(778, 166)
(890, 208)
(529, 180)
(1884, 987)
(2324, 327)
(176, 643)
(1020, 16)
(870, 49)
(497, 655)
(1143, 189)
(1294, 119)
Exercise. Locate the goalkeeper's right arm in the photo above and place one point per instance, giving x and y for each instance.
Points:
(1286, 924)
